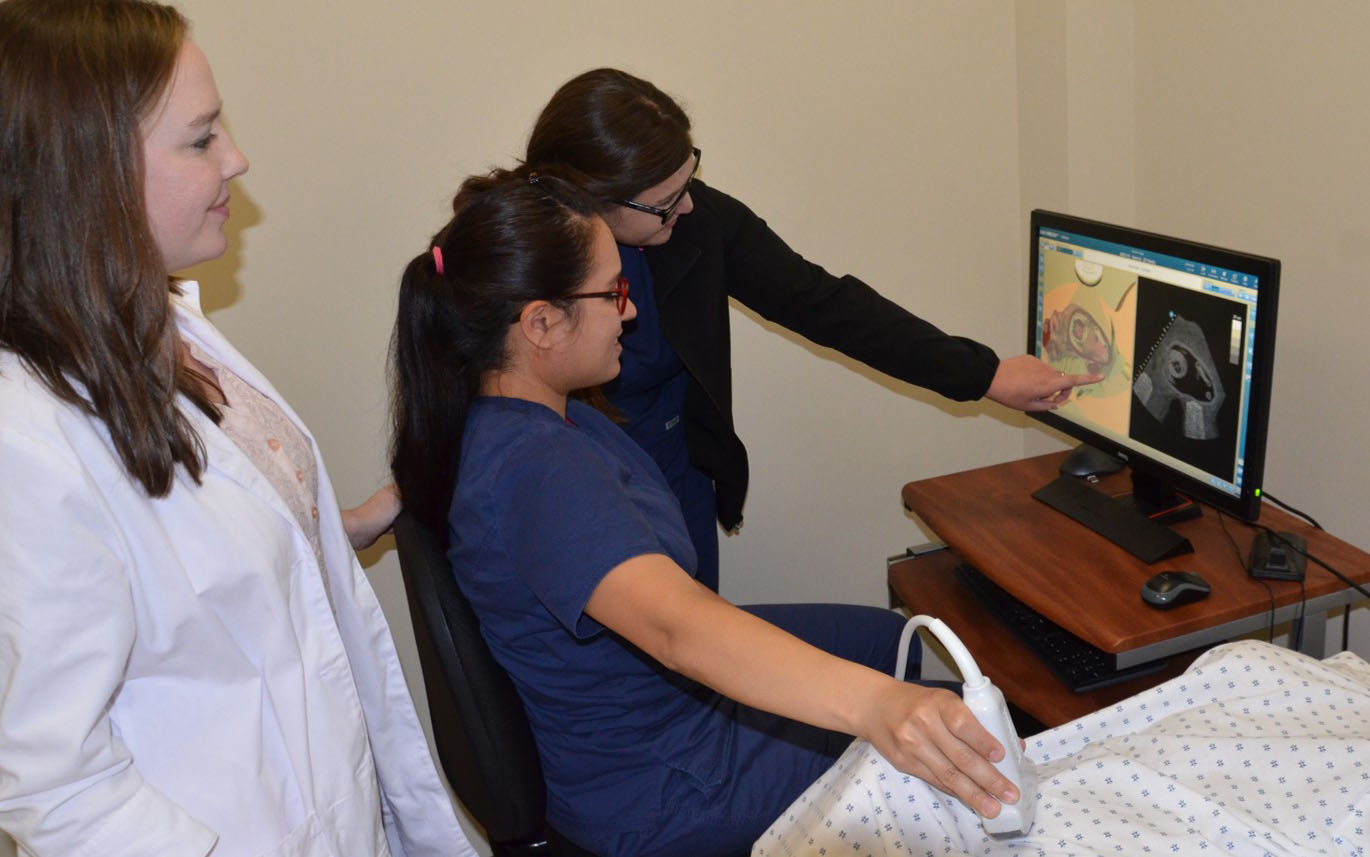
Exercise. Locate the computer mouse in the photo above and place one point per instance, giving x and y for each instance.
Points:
(1173, 588)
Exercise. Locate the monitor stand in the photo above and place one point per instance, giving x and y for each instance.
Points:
(1086, 460)
(1120, 520)
(1157, 501)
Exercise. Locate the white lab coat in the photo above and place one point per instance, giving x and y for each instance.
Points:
(172, 677)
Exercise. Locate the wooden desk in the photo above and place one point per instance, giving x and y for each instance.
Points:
(1090, 587)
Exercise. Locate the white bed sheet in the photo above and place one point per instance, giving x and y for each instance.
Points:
(1255, 750)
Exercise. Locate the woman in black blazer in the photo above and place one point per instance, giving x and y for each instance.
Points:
(686, 248)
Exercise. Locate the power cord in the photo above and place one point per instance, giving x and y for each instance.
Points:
(1346, 609)
(1290, 509)
(1278, 539)
(1297, 643)
(1241, 563)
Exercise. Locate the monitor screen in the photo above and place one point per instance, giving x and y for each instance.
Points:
(1184, 336)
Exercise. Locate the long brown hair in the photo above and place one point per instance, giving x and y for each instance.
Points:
(613, 134)
(84, 291)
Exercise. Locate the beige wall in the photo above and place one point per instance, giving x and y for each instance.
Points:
(880, 143)
(1239, 124)
(903, 142)
(360, 126)
(1266, 149)
(1251, 132)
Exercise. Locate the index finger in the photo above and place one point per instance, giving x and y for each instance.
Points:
(1068, 381)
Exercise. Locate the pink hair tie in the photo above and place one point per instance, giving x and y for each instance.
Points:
(437, 259)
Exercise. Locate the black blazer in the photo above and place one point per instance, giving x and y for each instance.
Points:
(723, 250)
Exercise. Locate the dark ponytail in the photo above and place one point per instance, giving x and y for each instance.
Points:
(515, 237)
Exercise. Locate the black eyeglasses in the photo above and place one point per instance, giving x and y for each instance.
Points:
(665, 213)
(620, 295)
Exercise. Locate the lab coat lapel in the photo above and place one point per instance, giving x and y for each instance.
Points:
(337, 550)
(222, 453)
(226, 459)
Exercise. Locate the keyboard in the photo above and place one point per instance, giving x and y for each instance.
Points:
(1079, 664)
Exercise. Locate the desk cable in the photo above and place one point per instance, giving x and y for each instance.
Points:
(1346, 609)
(1280, 540)
(1270, 592)
(1241, 563)
(1265, 495)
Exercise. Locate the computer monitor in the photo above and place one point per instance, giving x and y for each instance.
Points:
(1184, 335)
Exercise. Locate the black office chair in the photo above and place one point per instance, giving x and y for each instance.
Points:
(484, 742)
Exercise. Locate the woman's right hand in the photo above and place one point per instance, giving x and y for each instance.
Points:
(373, 518)
(927, 732)
(930, 733)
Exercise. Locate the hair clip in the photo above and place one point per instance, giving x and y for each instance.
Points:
(533, 178)
(437, 259)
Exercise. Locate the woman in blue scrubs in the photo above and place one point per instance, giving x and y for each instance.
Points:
(686, 248)
(667, 720)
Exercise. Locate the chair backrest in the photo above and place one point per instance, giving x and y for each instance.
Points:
(484, 743)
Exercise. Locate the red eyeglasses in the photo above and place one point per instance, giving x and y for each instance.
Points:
(620, 295)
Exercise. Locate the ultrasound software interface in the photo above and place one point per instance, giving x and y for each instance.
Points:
(1173, 339)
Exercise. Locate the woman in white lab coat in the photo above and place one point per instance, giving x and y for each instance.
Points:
(191, 659)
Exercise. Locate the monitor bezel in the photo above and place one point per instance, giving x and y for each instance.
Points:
(1247, 505)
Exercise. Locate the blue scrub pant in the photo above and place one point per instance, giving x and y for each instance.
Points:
(774, 759)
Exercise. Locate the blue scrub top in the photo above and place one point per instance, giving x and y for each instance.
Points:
(650, 394)
(650, 390)
(637, 759)
(543, 509)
